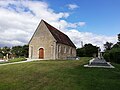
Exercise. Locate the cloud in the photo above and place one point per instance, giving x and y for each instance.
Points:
(82, 24)
(87, 37)
(19, 20)
(72, 6)
(77, 24)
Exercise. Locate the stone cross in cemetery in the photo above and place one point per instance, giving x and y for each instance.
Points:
(99, 61)
(100, 54)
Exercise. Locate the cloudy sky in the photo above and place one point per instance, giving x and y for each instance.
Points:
(90, 21)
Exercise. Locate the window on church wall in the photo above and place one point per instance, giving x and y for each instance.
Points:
(68, 50)
(51, 49)
(71, 51)
(59, 48)
(64, 49)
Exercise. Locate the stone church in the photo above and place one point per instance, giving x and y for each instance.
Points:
(48, 43)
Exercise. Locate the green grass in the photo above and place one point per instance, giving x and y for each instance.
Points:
(17, 60)
(58, 75)
(13, 60)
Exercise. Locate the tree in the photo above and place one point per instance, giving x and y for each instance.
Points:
(17, 50)
(108, 45)
(25, 49)
(1, 55)
(117, 45)
(81, 52)
(5, 50)
(87, 51)
(113, 55)
(90, 50)
(0, 50)
(20, 51)
(119, 37)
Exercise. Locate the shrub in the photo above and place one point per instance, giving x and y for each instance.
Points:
(1, 55)
(113, 55)
(107, 56)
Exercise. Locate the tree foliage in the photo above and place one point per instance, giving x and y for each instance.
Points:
(113, 55)
(119, 37)
(17, 51)
(3, 51)
(20, 51)
(87, 51)
(108, 45)
(1, 55)
(117, 45)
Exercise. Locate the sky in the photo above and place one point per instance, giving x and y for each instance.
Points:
(87, 21)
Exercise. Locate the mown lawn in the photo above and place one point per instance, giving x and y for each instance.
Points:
(58, 75)
(14, 60)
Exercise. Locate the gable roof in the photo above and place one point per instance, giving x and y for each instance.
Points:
(59, 36)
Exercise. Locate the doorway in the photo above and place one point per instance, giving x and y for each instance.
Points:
(41, 53)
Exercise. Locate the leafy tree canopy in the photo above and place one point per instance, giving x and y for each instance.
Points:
(108, 45)
(87, 51)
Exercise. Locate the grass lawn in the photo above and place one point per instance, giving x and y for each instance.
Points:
(14, 60)
(58, 75)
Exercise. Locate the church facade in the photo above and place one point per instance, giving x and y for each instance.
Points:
(48, 43)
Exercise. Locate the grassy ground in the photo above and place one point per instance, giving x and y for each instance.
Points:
(17, 60)
(58, 75)
(14, 60)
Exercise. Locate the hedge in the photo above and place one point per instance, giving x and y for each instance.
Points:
(113, 55)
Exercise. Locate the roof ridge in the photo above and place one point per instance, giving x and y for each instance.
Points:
(52, 26)
(58, 35)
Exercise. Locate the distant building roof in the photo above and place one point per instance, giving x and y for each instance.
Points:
(59, 36)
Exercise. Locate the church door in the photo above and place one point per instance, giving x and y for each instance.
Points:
(41, 53)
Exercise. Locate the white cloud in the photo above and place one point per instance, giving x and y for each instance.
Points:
(77, 24)
(72, 6)
(18, 24)
(86, 37)
(82, 23)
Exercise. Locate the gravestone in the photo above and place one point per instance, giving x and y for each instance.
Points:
(99, 61)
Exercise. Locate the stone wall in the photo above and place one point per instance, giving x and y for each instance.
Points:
(42, 39)
(64, 51)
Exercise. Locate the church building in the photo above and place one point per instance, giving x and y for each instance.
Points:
(48, 43)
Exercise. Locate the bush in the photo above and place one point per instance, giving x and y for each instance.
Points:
(113, 55)
(1, 55)
(107, 56)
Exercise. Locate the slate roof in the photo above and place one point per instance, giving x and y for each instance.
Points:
(59, 36)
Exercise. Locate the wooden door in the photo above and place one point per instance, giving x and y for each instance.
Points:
(41, 53)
